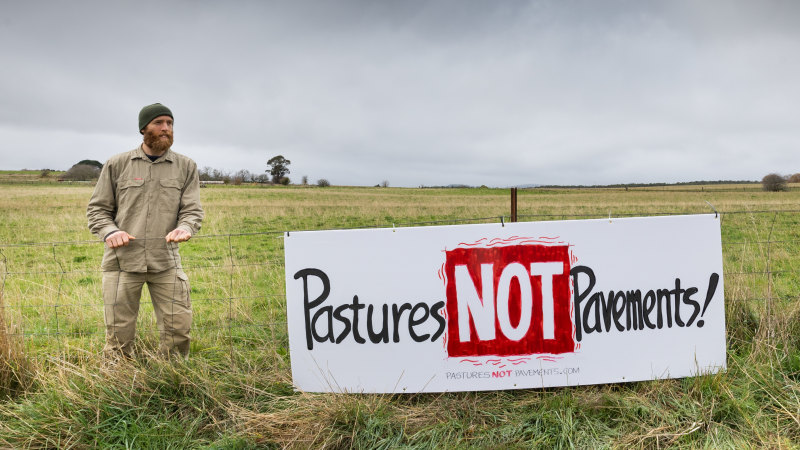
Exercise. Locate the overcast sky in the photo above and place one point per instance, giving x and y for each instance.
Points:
(494, 92)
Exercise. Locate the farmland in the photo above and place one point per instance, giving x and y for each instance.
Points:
(235, 390)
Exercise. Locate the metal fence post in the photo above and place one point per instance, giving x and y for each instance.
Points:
(513, 204)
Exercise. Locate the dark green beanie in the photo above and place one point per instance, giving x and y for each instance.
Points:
(150, 112)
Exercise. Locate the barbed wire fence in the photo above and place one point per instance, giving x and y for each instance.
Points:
(51, 301)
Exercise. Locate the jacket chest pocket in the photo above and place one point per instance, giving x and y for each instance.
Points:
(130, 192)
(169, 197)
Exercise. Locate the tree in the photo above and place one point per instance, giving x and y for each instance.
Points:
(220, 175)
(322, 182)
(773, 183)
(794, 178)
(278, 167)
(82, 172)
(205, 173)
(90, 162)
(242, 176)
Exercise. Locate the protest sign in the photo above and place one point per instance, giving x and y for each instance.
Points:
(505, 306)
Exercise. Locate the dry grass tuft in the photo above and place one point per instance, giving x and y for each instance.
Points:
(311, 420)
(15, 369)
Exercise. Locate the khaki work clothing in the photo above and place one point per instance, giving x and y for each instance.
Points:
(147, 199)
(169, 292)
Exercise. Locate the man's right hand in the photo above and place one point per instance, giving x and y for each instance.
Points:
(118, 239)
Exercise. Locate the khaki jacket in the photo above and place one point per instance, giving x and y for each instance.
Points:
(147, 199)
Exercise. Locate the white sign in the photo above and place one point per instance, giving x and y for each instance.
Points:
(493, 306)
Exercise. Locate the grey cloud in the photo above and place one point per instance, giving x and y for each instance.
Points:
(494, 93)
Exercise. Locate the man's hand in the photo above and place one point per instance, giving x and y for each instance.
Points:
(118, 239)
(178, 235)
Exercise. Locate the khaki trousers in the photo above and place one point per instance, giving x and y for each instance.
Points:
(169, 291)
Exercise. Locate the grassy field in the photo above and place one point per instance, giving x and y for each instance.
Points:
(30, 176)
(235, 390)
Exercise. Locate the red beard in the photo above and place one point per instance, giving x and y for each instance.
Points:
(159, 142)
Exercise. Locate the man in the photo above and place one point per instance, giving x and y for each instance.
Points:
(146, 201)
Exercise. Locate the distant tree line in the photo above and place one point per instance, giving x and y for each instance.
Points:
(238, 177)
(776, 183)
(89, 169)
(276, 174)
(643, 185)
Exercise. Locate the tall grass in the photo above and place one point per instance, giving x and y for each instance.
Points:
(235, 390)
(15, 369)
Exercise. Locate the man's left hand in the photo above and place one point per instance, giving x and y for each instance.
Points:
(178, 235)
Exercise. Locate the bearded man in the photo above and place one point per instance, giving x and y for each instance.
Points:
(146, 201)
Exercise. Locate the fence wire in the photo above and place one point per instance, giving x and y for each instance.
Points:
(51, 300)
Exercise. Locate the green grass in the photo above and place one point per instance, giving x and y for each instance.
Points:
(30, 176)
(235, 390)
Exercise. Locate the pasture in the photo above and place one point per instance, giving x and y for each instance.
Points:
(235, 389)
